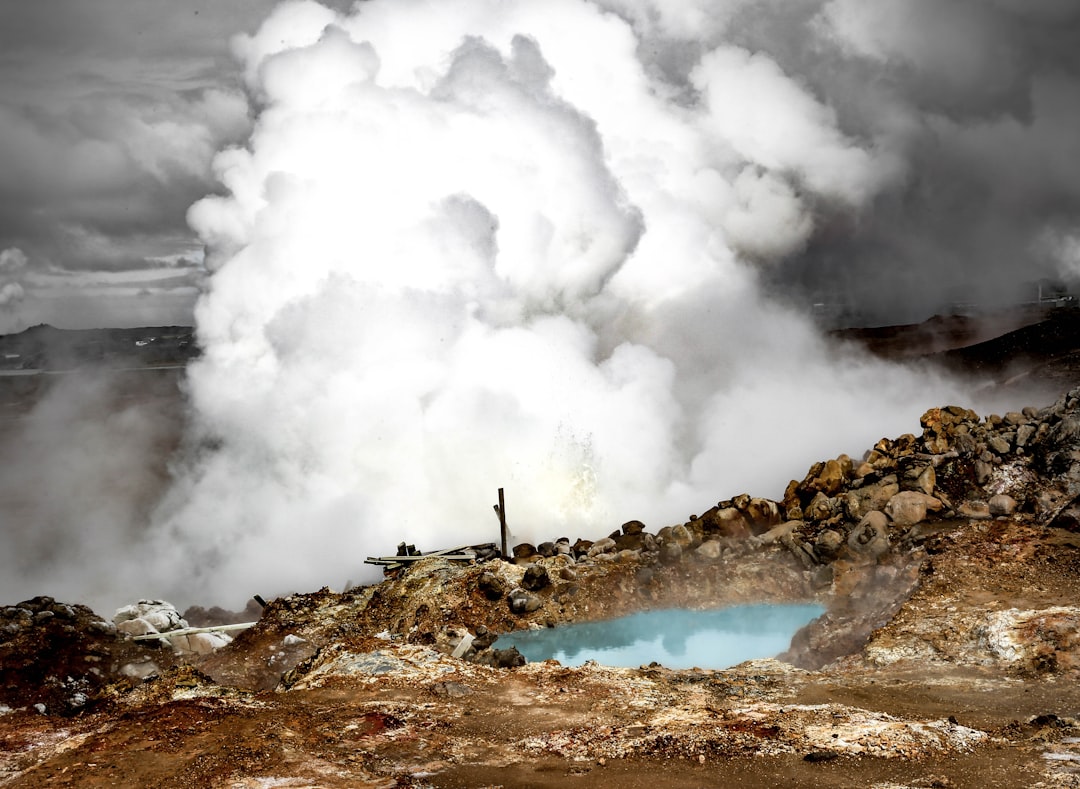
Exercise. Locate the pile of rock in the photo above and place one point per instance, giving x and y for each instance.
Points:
(54, 656)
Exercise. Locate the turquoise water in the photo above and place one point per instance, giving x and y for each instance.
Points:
(675, 638)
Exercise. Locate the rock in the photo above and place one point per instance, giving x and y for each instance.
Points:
(149, 616)
(709, 550)
(535, 578)
(983, 471)
(800, 550)
(999, 445)
(1002, 504)
(507, 658)
(523, 551)
(820, 508)
(629, 542)
(775, 534)
(761, 515)
(605, 545)
(491, 585)
(828, 544)
(870, 538)
(522, 602)
(546, 549)
(922, 479)
(830, 479)
(451, 690)
(671, 552)
(1024, 434)
(633, 527)
(484, 638)
(725, 522)
(868, 498)
(975, 510)
(682, 536)
(581, 547)
(910, 507)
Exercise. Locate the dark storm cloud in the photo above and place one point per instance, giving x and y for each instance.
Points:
(972, 111)
(110, 114)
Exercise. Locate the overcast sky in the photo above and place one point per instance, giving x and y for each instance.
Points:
(111, 111)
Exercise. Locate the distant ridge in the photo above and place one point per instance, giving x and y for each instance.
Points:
(45, 347)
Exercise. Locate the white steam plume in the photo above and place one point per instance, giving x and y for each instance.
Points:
(477, 244)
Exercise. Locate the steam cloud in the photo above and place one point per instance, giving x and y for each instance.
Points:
(482, 244)
(492, 243)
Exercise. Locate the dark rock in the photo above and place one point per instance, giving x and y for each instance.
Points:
(484, 638)
(491, 585)
(451, 690)
(546, 549)
(522, 602)
(536, 578)
(633, 527)
(828, 544)
(524, 551)
(581, 547)
(507, 658)
(671, 552)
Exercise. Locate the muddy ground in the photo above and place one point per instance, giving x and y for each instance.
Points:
(951, 661)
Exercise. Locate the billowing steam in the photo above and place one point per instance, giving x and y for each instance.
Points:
(12, 271)
(547, 246)
(477, 244)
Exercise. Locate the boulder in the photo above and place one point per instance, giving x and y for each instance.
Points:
(820, 508)
(535, 578)
(709, 550)
(581, 547)
(522, 602)
(870, 538)
(775, 534)
(761, 515)
(910, 507)
(670, 552)
(629, 542)
(1002, 504)
(871, 497)
(491, 585)
(633, 527)
(828, 544)
(507, 658)
(830, 479)
(148, 616)
(605, 545)
(682, 536)
(725, 522)
(523, 551)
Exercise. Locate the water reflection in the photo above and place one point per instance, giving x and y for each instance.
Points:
(676, 638)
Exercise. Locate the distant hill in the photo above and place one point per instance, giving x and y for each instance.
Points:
(45, 347)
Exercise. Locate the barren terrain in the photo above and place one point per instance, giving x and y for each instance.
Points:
(948, 561)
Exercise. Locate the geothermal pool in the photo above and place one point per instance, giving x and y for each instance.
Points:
(676, 638)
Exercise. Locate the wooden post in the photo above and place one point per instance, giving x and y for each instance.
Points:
(500, 510)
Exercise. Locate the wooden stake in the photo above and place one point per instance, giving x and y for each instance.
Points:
(500, 510)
